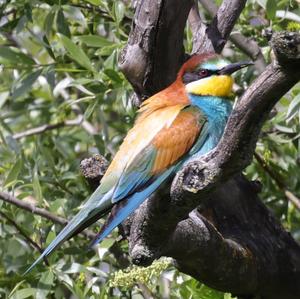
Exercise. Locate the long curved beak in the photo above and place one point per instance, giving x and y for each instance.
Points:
(233, 67)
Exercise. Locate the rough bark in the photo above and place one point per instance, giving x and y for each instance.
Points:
(212, 222)
(158, 51)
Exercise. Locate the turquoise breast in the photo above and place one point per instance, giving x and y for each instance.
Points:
(217, 111)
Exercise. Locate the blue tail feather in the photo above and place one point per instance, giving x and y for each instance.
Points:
(97, 203)
(131, 204)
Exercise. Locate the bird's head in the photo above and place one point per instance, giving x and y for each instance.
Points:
(209, 75)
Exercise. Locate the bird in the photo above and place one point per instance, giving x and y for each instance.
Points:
(177, 124)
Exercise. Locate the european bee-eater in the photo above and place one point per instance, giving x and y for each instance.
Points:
(183, 120)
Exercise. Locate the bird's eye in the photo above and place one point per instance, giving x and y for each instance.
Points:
(203, 73)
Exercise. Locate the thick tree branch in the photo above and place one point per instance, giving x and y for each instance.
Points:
(233, 153)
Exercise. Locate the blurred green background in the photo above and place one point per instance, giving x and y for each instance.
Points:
(58, 63)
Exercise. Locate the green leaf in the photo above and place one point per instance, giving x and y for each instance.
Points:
(14, 172)
(76, 53)
(61, 24)
(50, 237)
(107, 50)
(271, 7)
(262, 3)
(49, 21)
(110, 62)
(75, 268)
(293, 107)
(94, 41)
(24, 293)
(28, 12)
(15, 288)
(118, 10)
(112, 74)
(45, 285)
(36, 185)
(11, 55)
(90, 109)
(94, 2)
(284, 14)
(26, 84)
(48, 47)
(3, 97)
(107, 243)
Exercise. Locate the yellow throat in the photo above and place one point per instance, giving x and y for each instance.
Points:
(218, 86)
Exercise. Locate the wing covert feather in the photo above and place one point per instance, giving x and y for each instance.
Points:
(173, 142)
(137, 139)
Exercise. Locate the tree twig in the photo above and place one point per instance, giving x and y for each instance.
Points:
(42, 129)
(218, 31)
(22, 233)
(38, 211)
(79, 120)
(278, 180)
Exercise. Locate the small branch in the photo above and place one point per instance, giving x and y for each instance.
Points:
(8, 12)
(278, 180)
(39, 211)
(79, 120)
(292, 198)
(250, 48)
(93, 169)
(220, 28)
(92, 8)
(246, 45)
(22, 233)
(41, 129)
(147, 294)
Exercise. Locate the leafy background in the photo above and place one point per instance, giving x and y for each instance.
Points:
(58, 62)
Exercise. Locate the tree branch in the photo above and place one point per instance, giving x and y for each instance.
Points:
(278, 180)
(42, 129)
(246, 45)
(38, 211)
(217, 33)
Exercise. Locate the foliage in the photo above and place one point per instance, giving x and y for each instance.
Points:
(58, 62)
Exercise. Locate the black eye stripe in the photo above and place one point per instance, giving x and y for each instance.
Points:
(197, 75)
